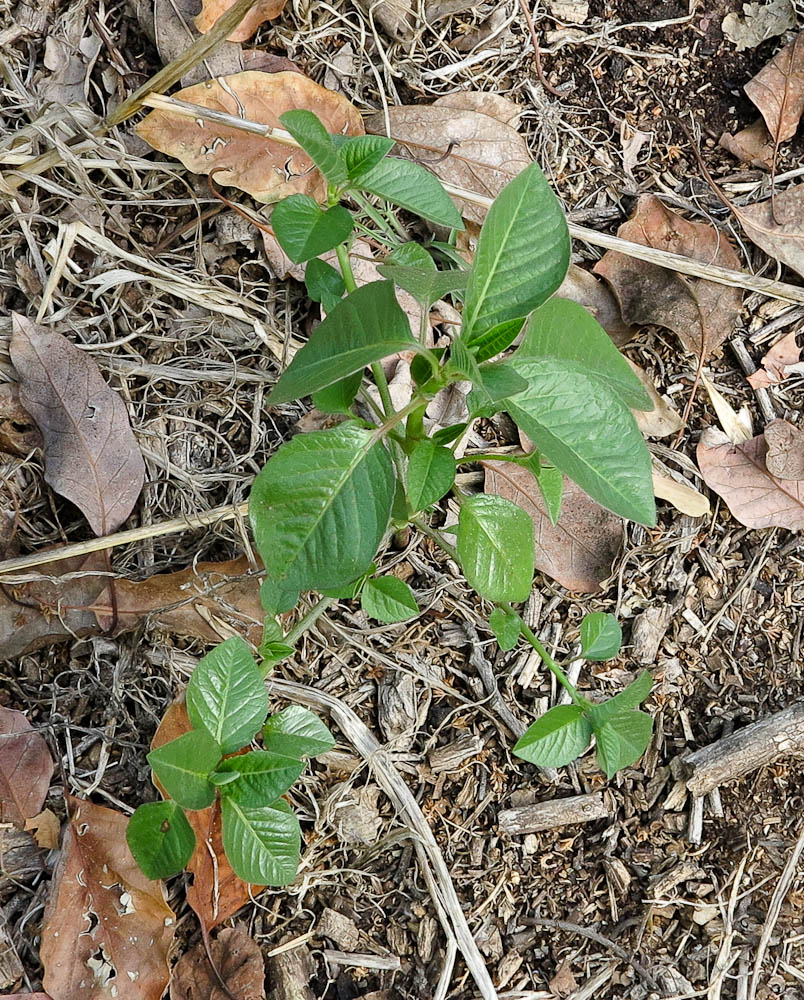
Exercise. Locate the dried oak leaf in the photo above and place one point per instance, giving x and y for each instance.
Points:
(739, 474)
(19, 434)
(577, 552)
(785, 456)
(91, 454)
(264, 168)
(783, 239)
(26, 768)
(262, 11)
(775, 364)
(648, 293)
(239, 963)
(778, 90)
(107, 929)
(752, 145)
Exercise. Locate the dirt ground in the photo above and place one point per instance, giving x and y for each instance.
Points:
(194, 381)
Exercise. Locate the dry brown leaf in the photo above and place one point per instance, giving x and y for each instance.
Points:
(579, 551)
(753, 145)
(782, 240)
(397, 17)
(739, 474)
(493, 105)
(169, 23)
(19, 435)
(737, 426)
(595, 295)
(26, 768)
(107, 929)
(91, 454)
(266, 169)
(663, 419)
(563, 982)
(45, 827)
(760, 22)
(262, 11)
(785, 456)
(651, 294)
(775, 364)
(683, 497)
(239, 964)
(778, 90)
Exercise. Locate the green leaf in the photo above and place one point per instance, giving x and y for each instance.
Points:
(183, 767)
(565, 331)
(601, 636)
(339, 397)
(497, 381)
(585, 430)
(273, 646)
(622, 739)
(551, 487)
(424, 366)
(305, 230)
(495, 340)
(633, 695)
(262, 844)
(506, 626)
(425, 285)
(324, 283)
(297, 732)
(276, 598)
(365, 327)
(160, 839)
(555, 739)
(263, 776)
(220, 778)
(448, 434)
(226, 695)
(522, 254)
(362, 152)
(314, 139)
(431, 473)
(320, 507)
(388, 599)
(410, 186)
(496, 548)
(412, 255)
(349, 591)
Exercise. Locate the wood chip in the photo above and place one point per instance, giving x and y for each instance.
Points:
(554, 813)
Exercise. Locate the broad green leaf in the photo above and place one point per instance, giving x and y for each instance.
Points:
(636, 692)
(320, 507)
(587, 432)
(496, 548)
(424, 366)
(263, 776)
(324, 283)
(362, 152)
(425, 285)
(565, 331)
(183, 767)
(497, 382)
(495, 340)
(412, 255)
(365, 327)
(388, 599)
(273, 647)
(522, 254)
(305, 230)
(448, 434)
(506, 626)
(262, 844)
(622, 739)
(349, 591)
(555, 739)
(277, 598)
(297, 732)
(221, 778)
(410, 186)
(160, 839)
(226, 695)
(339, 397)
(314, 139)
(431, 473)
(601, 636)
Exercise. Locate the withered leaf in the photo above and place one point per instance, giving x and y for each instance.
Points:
(682, 496)
(91, 454)
(761, 22)
(45, 827)
(785, 456)
(171, 28)
(264, 168)
(19, 435)
(579, 551)
(651, 294)
(107, 929)
(778, 90)
(739, 474)
(262, 11)
(26, 768)
(595, 295)
(775, 364)
(753, 145)
(782, 239)
(239, 963)
(663, 419)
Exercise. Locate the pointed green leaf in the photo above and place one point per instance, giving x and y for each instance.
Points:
(297, 732)
(551, 487)
(555, 739)
(365, 327)
(226, 695)
(362, 152)
(221, 778)
(495, 340)
(506, 626)
(273, 647)
(183, 767)
(305, 230)
(262, 844)
(431, 473)
(324, 283)
(160, 839)
(263, 776)
(277, 598)
(410, 186)
(522, 254)
(320, 507)
(388, 599)
(622, 739)
(307, 130)
(496, 548)
(497, 382)
(633, 695)
(601, 636)
(338, 397)
(412, 255)
(425, 285)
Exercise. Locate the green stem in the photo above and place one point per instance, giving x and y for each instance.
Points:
(308, 619)
(436, 536)
(375, 216)
(550, 663)
(346, 268)
(415, 425)
(491, 457)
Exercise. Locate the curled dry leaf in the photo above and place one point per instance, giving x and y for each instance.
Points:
(595, 295)
(778, 90)
(663, 419)
(780, 236)
(107, 929)
(752, 145)
(579, 551)
(776, 363)
(45, 827)
(239, 964)
(681, 495)
(701, 313)
(785, 456)
(26, 768)
(91, 454)
(261, 11)
(739, 474)
(264, 168)
(760, 22)
(19, 435)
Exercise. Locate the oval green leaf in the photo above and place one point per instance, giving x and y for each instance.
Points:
(262, 844)
(410, 186)
(555, 739)
(263, 776)
(496, 548)
(601, 636)
(388, 599)
(305, 230)
(431, 473)
(506, 626)
(183, 767)
(622, 739)
(297, 732)
(160, 839)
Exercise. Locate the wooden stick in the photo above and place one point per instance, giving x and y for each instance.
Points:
(552, 814)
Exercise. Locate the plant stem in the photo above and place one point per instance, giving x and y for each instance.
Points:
(415, 424)
(308, 619)
(550, 663)
(471, 459)
(346, 268)
(436, 536)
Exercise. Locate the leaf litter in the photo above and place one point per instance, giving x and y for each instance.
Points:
(781, 361)
(26, 768)
(238, 964)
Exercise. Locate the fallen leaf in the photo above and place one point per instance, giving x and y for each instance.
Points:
(262, 11)
(579, 551)
(26, 768)
(172, 30)
(776, 363)
(753, 145)
(738, 427)
(107, 929)
(782, 239)
(264, 168)
(354, 813)
(494, 105)
(563, 982)
(778, 90)
(761, 22)
(785, 456)
(19, 434)
(663, 419)
(27, 996)
(738, 473)
(397, 17)
(91, 454)
(595, 295)
(681, 495)
(45, 827)
(651, 294)
(572, 11)
(239, 964)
